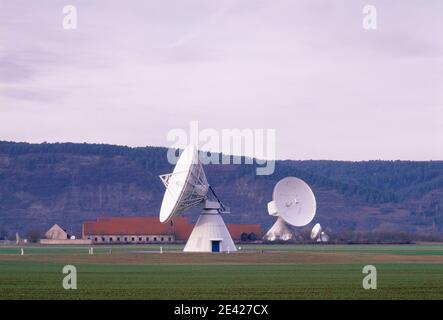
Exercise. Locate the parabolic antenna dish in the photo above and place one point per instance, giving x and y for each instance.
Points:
(316, 231)
(294, 201)
(324, 237)
(186, 186)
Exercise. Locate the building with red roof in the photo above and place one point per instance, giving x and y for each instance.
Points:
(151, 230)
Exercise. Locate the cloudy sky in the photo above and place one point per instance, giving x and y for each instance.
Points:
(134, 70)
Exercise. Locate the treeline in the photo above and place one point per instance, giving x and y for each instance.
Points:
(30, 155)
(352, 237)
(376, 182)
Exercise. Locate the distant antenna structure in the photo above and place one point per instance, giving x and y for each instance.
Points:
(293, 203)
(318, 234)
(187, 187)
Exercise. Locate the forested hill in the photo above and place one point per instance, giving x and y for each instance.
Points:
(43, 184)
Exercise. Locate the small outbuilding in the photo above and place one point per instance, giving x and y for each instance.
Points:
(56, 233)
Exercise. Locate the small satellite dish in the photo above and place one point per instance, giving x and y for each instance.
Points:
(188, 187)
(323, 237)
(318, 233)
(293, 202)
(316, 230)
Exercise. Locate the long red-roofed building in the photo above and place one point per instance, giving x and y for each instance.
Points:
(151, 230)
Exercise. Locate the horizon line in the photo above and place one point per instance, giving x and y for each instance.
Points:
(200, 150)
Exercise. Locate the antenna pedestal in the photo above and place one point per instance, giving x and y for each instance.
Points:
(279, 231)
(210, 234)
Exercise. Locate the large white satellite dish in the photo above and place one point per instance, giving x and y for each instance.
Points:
(187, 187)
(293, 203)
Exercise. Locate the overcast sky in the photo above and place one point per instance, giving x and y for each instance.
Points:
(133, 70)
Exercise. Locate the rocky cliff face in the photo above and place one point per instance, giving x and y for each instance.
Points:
(69, 183)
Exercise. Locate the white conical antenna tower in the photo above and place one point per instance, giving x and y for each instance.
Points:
(210, 233)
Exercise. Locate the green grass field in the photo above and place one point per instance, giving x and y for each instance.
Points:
(410, 249)
(34, 277)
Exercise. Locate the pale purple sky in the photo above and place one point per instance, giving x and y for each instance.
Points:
(136, 69)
